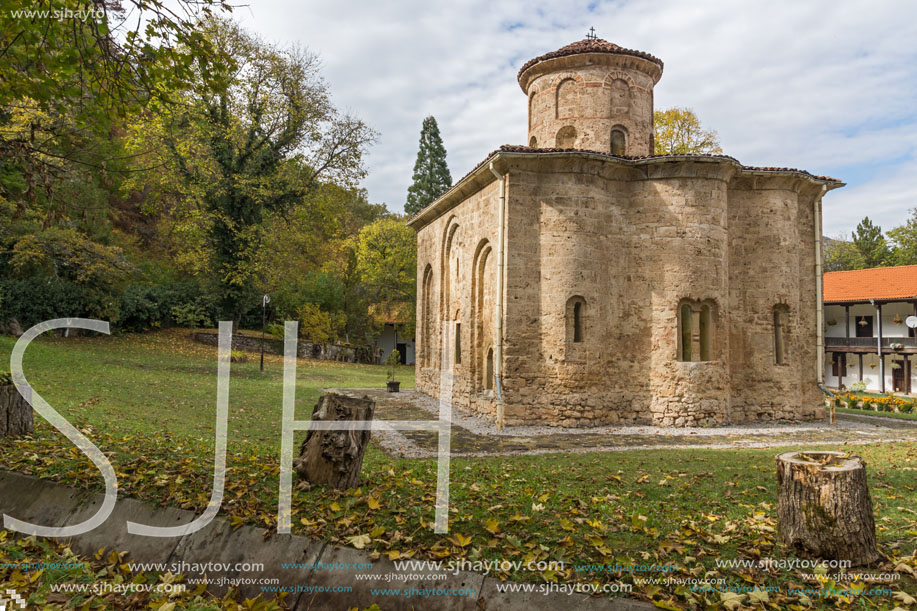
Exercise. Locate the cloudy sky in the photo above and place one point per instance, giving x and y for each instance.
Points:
(829, 87)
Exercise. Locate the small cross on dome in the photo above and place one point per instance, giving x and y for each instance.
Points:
(591, 35)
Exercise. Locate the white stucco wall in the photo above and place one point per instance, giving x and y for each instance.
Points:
(889, 329)
(835, 313)
(386, 341)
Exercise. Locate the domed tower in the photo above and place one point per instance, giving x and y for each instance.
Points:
(592, 95)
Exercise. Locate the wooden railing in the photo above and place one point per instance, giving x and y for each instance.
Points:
(869, 342)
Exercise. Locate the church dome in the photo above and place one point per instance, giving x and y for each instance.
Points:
(588, 45)
(592, 95)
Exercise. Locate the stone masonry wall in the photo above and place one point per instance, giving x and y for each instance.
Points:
(588, 100)
(463, 239)
(325, 352)
(629, 242)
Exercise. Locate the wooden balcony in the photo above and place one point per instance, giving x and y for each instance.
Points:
(869, 344)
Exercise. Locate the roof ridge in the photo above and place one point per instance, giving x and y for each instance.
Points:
(869, 269)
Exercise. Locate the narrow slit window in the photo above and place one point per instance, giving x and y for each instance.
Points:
(685, 321)
(458, 343)
(705, 333)
(779, 346)
(578, 322)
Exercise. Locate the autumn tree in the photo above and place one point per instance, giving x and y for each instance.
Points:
(259, 147)
(871, 244)
(431, 173)
(678, 131)
(71, 70)
(841, 254)
(386, 256)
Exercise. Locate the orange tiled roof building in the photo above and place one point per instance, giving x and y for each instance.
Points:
(867, 338)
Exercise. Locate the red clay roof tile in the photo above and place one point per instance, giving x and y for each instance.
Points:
(881, 283)
(587, 45)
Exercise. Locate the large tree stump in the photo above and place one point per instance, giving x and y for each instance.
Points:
(335, 457)
(15, 412)
(823, 506)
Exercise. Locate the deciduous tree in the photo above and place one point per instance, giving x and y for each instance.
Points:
(904, 241)
(387, 265)
(679, 132)
(257, 148)
(842, 255)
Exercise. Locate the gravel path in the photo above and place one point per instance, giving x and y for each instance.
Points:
(474, 436)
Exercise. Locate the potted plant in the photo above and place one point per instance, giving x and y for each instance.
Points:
(392, 363)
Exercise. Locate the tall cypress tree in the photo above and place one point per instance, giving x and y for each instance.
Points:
(431, 174)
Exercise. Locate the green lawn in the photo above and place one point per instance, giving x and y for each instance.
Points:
(164, 382)
(149, 401)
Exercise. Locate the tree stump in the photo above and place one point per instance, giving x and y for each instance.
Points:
(823, 506)
(15, 413)
(335, 457)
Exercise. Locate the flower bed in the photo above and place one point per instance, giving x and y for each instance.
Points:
(888, 403)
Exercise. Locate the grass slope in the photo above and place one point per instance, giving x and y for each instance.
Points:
(148, 400)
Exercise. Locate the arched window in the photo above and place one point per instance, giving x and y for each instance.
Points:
(696, 322)
(565, 101)
(578, 322)
(618, 141)
(533, 143)
(704, 328)
(620, 97)
(780, 317)
(566, 137)
(489, 370)
(482, 313)
(449, 276)
(426, 316)
(458, 343)
(575, 327)
(685, 318)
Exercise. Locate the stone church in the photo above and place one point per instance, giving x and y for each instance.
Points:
(582, 280)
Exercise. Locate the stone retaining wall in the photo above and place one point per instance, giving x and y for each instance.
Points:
(308, 350)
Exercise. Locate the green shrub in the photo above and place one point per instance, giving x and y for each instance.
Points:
(36, 300)
(5, 378)
(237, 356)
(275, 329)
(144, 308)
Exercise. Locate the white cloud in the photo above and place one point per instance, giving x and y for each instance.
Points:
(887, 200)
(824, 86)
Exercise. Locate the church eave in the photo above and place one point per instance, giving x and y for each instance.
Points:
(480, 176)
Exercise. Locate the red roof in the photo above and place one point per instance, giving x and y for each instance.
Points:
(881, 283)
(587, 45)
